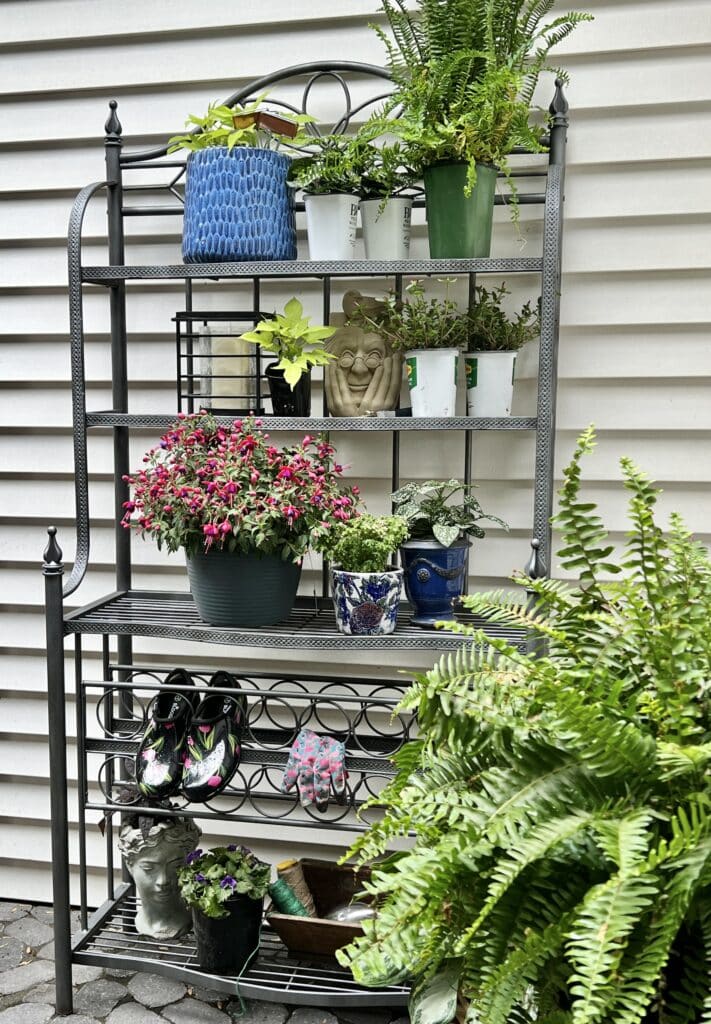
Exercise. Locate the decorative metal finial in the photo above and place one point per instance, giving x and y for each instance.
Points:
(534, 568)
(113, 125)
(559, 105)
(53, 552)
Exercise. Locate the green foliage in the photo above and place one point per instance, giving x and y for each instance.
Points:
(327, 168)
(427, 509)
(383, 170)
(490, 329)
(208, 880)
(296, 345)
(235, 126)
(419, 322)
(561, 806)
(365, 544)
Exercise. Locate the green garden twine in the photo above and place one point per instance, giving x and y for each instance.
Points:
(285, 899)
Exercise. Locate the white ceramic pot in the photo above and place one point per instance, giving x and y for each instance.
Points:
(366, 603)
(432, 379)
(386, 232)
(331, 226)
(490, 377)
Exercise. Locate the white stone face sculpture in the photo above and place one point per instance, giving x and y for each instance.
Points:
(153, 861)
(365, 376)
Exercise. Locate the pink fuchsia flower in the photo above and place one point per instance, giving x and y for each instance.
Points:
(210, 530)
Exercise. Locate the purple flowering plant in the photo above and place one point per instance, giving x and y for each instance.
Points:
(209, 878)
(207, 486)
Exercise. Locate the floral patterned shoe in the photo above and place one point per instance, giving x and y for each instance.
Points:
(159, 761)
(213, 749)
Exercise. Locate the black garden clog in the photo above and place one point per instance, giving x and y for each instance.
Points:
(213, 746)
(159, 760)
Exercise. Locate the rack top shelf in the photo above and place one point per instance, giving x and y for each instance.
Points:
(310, 625)
(313, 268)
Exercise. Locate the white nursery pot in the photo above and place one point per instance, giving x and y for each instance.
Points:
(490, 377)
(386, 232)
(331, 226)
(432, 379)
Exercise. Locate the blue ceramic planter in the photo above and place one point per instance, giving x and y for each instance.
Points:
(366, 603)
(434, 576)
(238, 206)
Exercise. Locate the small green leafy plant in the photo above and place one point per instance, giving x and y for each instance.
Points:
(561, 870)
(210, 878)
(419, 322)
(365, 544)
(490, 329)
(328, 168)
(244, 125)
(383, 170)
(428, 511)
(296, 345)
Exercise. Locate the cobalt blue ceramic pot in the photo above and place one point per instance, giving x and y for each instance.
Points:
(238, 206)
(366, 603)
(434, 576)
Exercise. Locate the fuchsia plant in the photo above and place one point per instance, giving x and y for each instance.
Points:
(206, 486)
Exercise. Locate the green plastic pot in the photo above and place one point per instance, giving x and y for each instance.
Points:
(242, 589)
(459, 227)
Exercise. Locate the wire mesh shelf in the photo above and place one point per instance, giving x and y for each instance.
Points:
(275, 975)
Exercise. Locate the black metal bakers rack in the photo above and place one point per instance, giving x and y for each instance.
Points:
(353, 708)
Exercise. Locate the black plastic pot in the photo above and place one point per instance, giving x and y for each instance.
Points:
(225, 944)
(286, 402)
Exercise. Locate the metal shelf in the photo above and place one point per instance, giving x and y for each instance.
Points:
(275, 976)
(311, 268)
(310, 625)
(325, 423)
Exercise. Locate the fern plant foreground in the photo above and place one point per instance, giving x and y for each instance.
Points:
(561, 869)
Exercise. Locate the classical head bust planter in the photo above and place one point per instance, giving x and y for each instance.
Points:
(365, 376)
(153, 859)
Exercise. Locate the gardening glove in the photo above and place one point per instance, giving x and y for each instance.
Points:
(315, 765)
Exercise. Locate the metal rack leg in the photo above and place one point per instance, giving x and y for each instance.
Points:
(53, 571)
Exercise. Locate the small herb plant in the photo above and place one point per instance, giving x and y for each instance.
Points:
(383, 170)
(420, 322)
(428, 511)
(296, 345)
(240, 126)
(210, 878)
(328, 168)
(490, 329)
(365, 544)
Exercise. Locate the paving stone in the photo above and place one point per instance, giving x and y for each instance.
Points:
(114, 972)
(133, 1013)
(12, 952)
(154, 990)
(43, 913)
(257, 1013)
(99, 997)
(309, 1015)
(30, 931)
(40, 994)
(27, 1013)
(193, 1011)
(349, 1016)
(46, 952)
(402, 1020)
(208, 995)
(19, 979)
(74, 1018)
(81, 973)
(13, 911)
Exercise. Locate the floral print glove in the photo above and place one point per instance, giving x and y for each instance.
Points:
(316, 765)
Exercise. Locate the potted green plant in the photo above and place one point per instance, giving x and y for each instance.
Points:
(431, 332)
(237, 203)
(297, 347)
(465, 74)
(365, 585)
(330, 185)
(560, 799)
(244, 510)
(225, 888)
(386, 213)
(435, 555)
(494, 339)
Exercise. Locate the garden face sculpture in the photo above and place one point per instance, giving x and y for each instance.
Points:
(153, 860)
(365, 376)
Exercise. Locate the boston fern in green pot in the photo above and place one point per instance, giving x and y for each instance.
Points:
(561, 871)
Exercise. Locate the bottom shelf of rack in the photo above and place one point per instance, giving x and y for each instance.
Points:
(275, 976)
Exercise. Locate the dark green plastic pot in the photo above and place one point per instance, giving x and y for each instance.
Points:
(242, 590)
(459, 227)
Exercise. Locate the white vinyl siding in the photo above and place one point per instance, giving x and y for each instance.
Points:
(636, 306)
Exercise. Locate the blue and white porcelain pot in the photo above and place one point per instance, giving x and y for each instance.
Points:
(366, 603)
(238, 206)
(434, 577)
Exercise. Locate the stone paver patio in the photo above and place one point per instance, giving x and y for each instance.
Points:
(124, 997)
